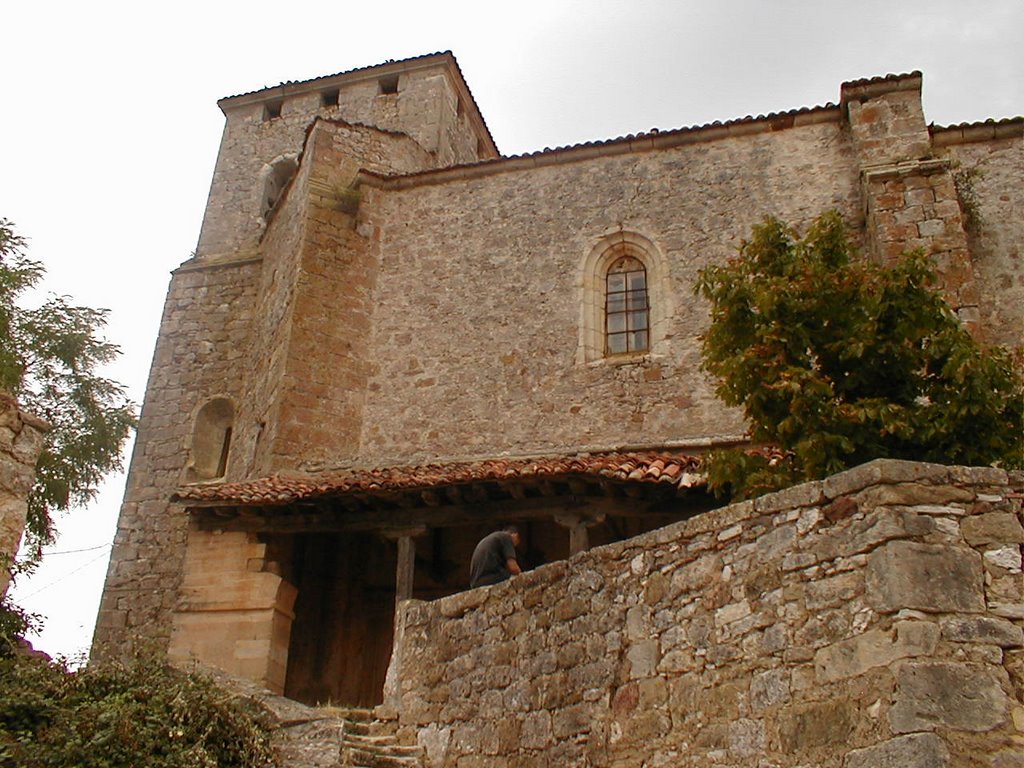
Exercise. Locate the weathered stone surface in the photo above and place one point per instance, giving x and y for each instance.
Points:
(1006, 558)
(876, 648)
(746, 738)
(768, 689)
(21, 440)
(903, 574)
(983, 629)
(916, 750)
(816, 725)
(750, 660)
(993, 528)
(934, 695)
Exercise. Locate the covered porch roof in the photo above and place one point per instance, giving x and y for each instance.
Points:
(453, 493)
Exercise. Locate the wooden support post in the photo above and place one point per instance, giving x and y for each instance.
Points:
(405, 569)
(579, 536)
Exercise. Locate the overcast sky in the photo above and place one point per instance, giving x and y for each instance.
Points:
(110, 127)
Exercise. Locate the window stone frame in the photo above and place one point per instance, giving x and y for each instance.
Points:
(592, 281)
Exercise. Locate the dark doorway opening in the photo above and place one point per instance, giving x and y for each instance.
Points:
(342, 633)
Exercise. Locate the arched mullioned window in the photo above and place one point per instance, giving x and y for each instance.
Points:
(626, 307)
(626, 299)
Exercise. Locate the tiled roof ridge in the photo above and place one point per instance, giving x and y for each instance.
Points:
(352, 71)
(990, 121)
(652, 466)
(889, 78)
(685, 129)
(408, 60)
(627, 138)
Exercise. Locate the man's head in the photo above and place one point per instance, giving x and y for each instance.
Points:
(512, 531)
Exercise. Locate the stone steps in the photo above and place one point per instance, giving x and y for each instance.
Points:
(369, 742)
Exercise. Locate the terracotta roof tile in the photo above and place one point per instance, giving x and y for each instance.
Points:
(980, 123)
(681, 471)
(447, 54)
(890, 78)
(338, 74)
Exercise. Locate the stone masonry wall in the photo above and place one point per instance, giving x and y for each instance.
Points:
(871, 619)
(910, 199)
(423, 109)
(306, 365)
(205, 331)
(988, 164)
(21, 440)
(479, 296)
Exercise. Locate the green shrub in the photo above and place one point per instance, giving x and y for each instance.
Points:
(141, 714)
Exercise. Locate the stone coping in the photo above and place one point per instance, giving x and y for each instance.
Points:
(815, 493)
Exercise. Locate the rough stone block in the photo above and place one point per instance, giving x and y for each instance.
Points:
(916, 750)
(836, 590)
(983, 629)
(881, 472)
(855, 656)
(993, 528)
(925, 577)
(746, 738)
(536, 732)
(819, 724)
(643, 659)
(768, 689)
(932, 695)
(803, 495)
(1005, 558)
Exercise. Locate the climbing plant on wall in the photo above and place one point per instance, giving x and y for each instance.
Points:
(837, 360)
(51, 357)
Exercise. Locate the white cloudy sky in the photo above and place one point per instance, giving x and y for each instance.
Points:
(109, 127)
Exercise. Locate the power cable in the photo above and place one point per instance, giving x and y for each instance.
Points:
(74, 551)
(65, 577)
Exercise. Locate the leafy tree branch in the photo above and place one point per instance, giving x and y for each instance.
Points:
(50, 361)
(837, 360)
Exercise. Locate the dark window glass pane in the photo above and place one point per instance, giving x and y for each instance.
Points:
(637, 299)
(637, 280)
(616, 282)
(627, 304)
(638, 341)
(616, 343)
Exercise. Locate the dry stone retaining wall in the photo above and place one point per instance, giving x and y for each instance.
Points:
(874, 618)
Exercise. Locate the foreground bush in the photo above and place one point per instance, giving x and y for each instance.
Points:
(144, 715)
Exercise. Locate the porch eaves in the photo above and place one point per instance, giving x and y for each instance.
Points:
(676, 472)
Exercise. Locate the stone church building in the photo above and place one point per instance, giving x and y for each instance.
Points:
(392, 339)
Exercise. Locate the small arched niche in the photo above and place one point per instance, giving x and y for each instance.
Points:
(275, 177)
(211, 440)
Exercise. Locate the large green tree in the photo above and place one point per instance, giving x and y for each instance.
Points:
(837, 360)
(51, 357)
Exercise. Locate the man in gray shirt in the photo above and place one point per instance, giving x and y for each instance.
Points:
(494, 559)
